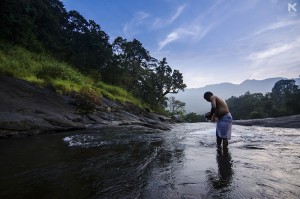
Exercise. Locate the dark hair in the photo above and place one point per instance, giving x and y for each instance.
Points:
(207, 95)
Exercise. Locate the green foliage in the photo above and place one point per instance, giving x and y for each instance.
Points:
(64, 86)
(175, 106)
(19, 65)
(166, 81)
(283, 100)
(56, 70)
(257, 114)
(38, 68)
(144, 76)
(242, 106)
(42, 25)
(118, 94)
(194, 117)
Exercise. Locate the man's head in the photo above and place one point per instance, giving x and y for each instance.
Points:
(207, 95)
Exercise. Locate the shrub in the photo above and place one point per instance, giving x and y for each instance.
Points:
(88, 99)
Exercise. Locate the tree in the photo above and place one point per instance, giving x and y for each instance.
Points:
(130, 62)
(87, 45)
(176, 106)
(167, 81)
(50, 18)
(247, 106)
(17, 23)
(285, 98)
(293, 103)
(34, 24)
(194, 117)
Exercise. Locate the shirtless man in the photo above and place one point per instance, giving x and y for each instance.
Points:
(219, 110)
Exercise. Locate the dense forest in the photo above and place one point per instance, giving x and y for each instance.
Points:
(284, 100)
(45, 26)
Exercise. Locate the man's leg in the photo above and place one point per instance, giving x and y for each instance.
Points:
(225, 143)
(219, 141)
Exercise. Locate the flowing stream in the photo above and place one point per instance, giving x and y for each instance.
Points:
(181, 163)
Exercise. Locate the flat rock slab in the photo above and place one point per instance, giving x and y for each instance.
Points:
(29, 109)
(284, 122)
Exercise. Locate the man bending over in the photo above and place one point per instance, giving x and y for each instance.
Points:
(220, 112)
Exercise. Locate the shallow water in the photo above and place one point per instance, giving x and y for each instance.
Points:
(181, 163)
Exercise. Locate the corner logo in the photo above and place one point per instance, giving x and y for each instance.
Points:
(292, 9)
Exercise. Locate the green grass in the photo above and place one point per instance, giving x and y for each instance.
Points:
(43, 70)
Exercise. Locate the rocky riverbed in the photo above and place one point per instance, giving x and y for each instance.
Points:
(28, 109)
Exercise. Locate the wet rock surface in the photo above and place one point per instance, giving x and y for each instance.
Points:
(28, 109)
(284, 122)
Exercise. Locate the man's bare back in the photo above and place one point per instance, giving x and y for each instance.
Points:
(220, 106)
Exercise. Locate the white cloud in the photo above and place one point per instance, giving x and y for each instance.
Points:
(281, 24)
(178, 13)
(131, 28)
(275, 61)
(214, 9)
(271, 52)
(159, 23)
(278, 25)
(196, 29)
(170, 38)
(194, 32)
(141, 18)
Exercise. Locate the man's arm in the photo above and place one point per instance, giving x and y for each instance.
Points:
(213, 105)
(213, 109)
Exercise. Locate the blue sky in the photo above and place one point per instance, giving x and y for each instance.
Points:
(208, 41)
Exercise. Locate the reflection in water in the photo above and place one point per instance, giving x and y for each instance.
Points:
(223, 178)
(225, 167)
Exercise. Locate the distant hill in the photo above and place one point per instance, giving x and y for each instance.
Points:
(194, 97)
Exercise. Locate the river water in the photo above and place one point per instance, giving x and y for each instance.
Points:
(132, 163)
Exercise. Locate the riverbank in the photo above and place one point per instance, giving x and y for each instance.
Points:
(26, 109)
(283, 122)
